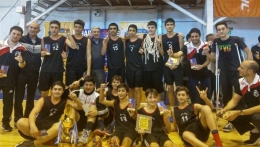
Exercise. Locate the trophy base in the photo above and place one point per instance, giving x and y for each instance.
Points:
(66, 145)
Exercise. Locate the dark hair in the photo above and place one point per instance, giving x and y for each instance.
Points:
(152, 23)
(113, 24)
(182, 88)
(258, 38)
(17, 28)
(55, 22)
(59, 83)
(90, 79)
(169, 20)
(253, 65)
(150, 91)
(221, 23)
(123, 85)
(80, 22)
(208, 36)
(187, 37)
(117, 77)
(133, 26)
(195, 30)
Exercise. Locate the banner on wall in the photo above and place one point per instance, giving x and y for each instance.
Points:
(237, 8)
(103, 32)
(141, 27)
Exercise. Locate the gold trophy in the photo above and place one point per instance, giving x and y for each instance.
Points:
(68, 133)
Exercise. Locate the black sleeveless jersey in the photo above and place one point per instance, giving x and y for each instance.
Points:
(122, 117)
(152, 65)
(115, 54)
(157, 120)
(54, 63)
(133, 57)
(185, 117)
(51, 112)
(76, 59)
(168, 43)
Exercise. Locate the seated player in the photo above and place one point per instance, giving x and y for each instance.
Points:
(160, 123)
(195, 121)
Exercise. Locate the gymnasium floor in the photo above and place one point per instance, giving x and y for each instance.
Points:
(232, 139)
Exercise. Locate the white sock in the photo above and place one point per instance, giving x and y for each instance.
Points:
(255, 130)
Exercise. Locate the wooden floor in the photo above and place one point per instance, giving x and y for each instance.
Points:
(232, 139)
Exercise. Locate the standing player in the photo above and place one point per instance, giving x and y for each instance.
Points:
(53, 47)
(134, 73)
(79, 59)
(172, 41)
(255, 51)
(114, 46)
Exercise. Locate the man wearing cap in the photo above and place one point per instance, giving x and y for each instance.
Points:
(28, 75)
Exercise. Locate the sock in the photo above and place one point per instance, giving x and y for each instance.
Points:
(101, 124)
(113, 123)
(89, 126)
(216, 138)
(255, 130)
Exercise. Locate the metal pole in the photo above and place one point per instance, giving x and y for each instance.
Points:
(217, 72)
(238, 53)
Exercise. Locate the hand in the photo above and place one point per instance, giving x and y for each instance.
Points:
(220, 112)
(173, 67)
(64, 55)
(43, 53)
(131, 112)
(103, 86)
(141, 132)
(106, 39)
(34, 132)
(180, 34)
(202, 93)
(158, 40)
(167, 115)
(1, 75)
(92, 113)
(125, 37)
(89, 35)
(198, 67)
(257, 55)
(141, 50)
(170, 52)
(19, 58)
(67, 30)
(73, 96)
(206, 49)
(231, 115)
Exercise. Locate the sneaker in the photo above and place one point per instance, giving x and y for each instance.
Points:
(98, 132)
(97, 142)
(84, 138)
(113, 143)
(25, 144)
(254, 139)
(7, 127)
(228, 127)
(109, 130)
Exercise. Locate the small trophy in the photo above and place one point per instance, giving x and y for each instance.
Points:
(68, 133)
(4, 70)
(131, 105)
(193, 63)
(47, 49)
(172, 62)
(161, 107)
(144, 122)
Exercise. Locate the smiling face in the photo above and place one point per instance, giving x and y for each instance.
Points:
(57, 91)
(78, 29)
(152, 99)
(195, 38)
(115, 83)
(15, 36)
(182, 97)
(222, 31)
(89, 87)
(122, 93)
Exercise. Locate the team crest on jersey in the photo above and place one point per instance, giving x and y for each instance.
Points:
(55, 46)
(78, 45)
(17, 53)
(132, 47)
(169, 44)
(256, 94)
(115, 47)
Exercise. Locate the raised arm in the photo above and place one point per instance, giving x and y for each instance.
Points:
(104, 46)
(102, 95)
(204, 97)
(89, 57)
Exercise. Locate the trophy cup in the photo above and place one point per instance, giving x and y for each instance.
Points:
(68, 133)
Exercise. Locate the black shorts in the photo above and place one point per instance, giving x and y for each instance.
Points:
(121, 133)
(157, 138)
(113, 72)
(153, 79)
(134, 78)
(47, 79)
(108, 120)
(81, 124)
(171, 76)
(72, 76)
(196, 128)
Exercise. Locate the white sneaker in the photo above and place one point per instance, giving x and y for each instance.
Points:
(84, 138)
(228, 127)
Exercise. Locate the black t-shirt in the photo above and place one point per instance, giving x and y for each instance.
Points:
(9, 64)
(196, 53)
(228, 56)
(122, 117)
(115, 54)
(76, 59)
(253, 50)
(185, 117)
(150, 62)
(133, 57)
(53, 63)
(250, 93)
(157, 120)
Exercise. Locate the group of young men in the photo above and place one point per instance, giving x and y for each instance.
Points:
(141, 60)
